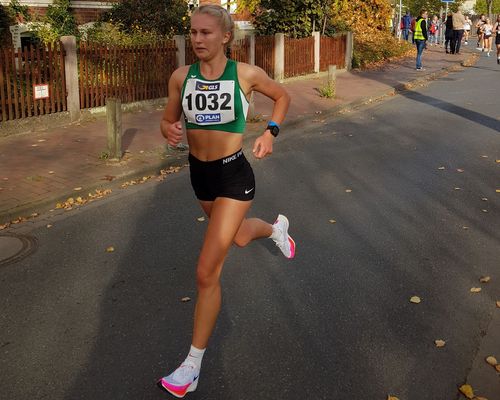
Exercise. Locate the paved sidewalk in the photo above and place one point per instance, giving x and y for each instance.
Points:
(39, 170)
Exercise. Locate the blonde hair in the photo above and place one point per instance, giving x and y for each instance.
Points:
(221, 14)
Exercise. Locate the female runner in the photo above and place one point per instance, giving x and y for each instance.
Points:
(212, 93)
(487, 30)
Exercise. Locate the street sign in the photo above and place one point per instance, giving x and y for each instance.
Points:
(40, 92)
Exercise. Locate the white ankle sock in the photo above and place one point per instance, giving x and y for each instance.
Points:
(195, 356)
(276, 233)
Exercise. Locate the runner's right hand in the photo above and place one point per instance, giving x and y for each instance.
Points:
(174, 133)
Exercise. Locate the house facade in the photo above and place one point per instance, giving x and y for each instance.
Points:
(84, 10)
(90, 10)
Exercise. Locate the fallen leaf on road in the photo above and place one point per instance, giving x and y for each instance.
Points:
(332, 221)
(498, 304)
(467, 391)
(484, 279)
(465, 227)
(457, 188)
(484, 210)
(77, 189)
(34, 215)
(41, 140)
(497, 190)
(49, 226)
(484, 156)
(491, 360)
(415, 299)
(441, 168)
(484, 198)
(4, 226)
(201, 219)
(475, 289)
(34, 145)
(460, 170)
(108, 178)
(51, 172)
(389, 397)
(497, 367)
(186, 299)
(110, 249)
(348, 190)
(497, 161)
(479, 398)
(439, 343)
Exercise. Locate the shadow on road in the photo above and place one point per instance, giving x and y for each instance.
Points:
(471, 115)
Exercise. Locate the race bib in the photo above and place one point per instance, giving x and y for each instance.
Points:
(208, 102)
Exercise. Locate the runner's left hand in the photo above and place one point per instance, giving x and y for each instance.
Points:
(263, 145)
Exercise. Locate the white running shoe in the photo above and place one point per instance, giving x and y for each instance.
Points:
(183, 380)
(285, 243)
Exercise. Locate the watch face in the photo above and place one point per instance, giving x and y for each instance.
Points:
(274, 130)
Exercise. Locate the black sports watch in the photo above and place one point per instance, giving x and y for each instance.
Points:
(274, 128)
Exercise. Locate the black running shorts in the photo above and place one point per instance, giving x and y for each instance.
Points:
(231, 176)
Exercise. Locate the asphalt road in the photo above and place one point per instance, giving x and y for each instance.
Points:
(334, 323)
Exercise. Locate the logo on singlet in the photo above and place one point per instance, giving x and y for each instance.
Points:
(207, 87)
(200, 118)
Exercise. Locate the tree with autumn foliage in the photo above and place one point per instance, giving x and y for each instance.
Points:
(369, 20)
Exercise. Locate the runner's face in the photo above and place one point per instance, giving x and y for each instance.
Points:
(207, 37)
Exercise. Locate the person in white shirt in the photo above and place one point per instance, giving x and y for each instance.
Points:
(467, 26)
(487, 30)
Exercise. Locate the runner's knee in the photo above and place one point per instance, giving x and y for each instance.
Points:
(206, 279)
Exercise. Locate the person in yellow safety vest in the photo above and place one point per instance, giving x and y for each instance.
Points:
(420, 36)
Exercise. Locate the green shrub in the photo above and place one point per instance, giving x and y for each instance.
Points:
(114, 35)
(370, 49)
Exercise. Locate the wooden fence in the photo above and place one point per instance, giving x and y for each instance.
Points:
(264, 53)
(131, 73)
(20, 71)
(299, 56)
(134, 73)
(332, 51)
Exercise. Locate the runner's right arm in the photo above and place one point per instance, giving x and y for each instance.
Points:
(170, 125)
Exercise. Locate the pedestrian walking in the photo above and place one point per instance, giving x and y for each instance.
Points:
(458, 31)
(467, 27)
(479, 31)
(212, 93)
(420, 36)
(448, 34)
(406, 25)
(487, 30)
(496, 29)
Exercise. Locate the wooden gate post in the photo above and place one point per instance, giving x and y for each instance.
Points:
(317, 50)
(114, 122)
(71, 73)
(279, 56)
(349, 44)
(180, 43)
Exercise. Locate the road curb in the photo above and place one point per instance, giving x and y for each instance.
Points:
(26, 210)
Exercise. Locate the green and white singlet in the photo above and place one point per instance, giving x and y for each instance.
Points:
(218, 104)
